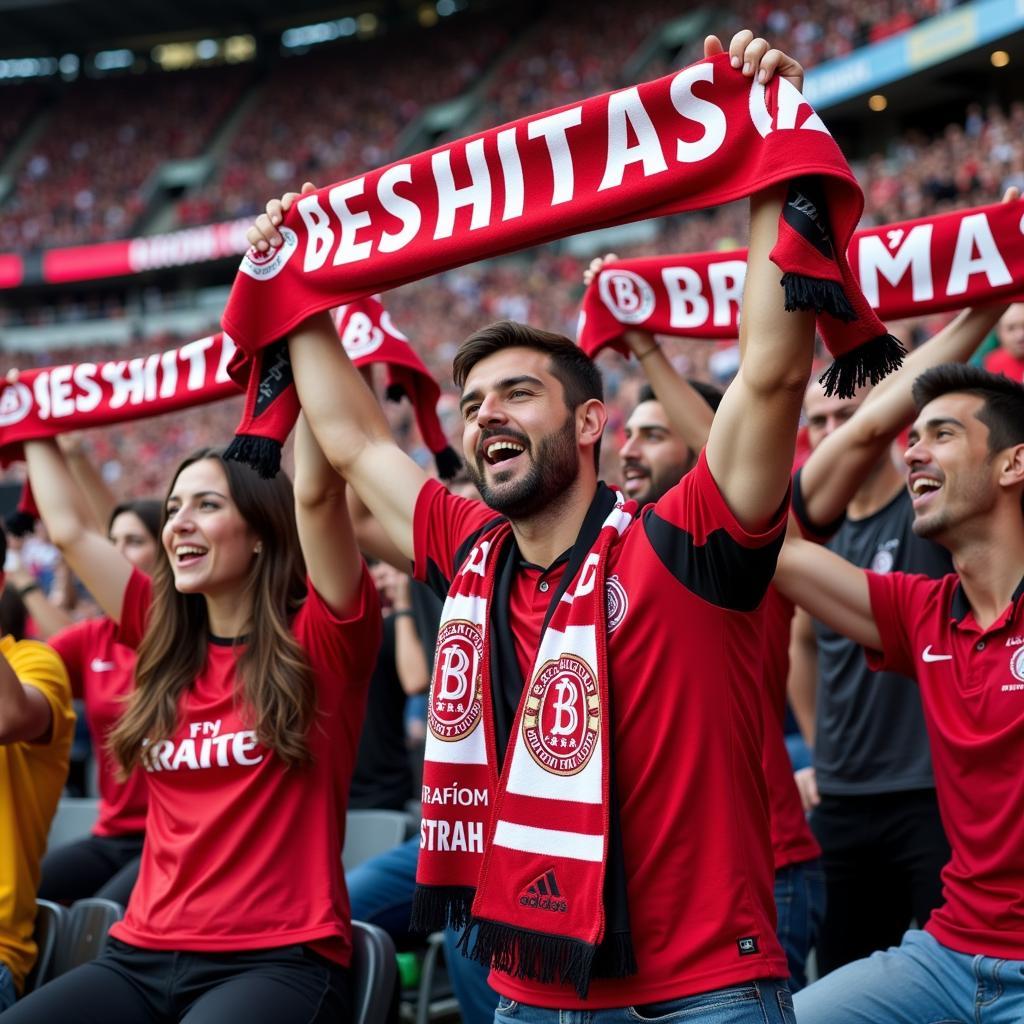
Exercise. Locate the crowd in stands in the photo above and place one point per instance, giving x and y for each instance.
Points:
(84, 179)
(336, 111)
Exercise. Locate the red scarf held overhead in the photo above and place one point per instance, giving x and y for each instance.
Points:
(697, 138)
(929, 265)
(78, 396)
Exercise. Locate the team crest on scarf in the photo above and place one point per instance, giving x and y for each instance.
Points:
(562, 717)
(456, 697)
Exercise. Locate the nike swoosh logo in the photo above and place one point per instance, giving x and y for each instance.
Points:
(926, 655)
(99, 665)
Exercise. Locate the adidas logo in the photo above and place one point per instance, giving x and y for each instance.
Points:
(543, 894)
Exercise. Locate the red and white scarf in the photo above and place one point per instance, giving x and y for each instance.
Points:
(523, 857)
(697, 138)
(929, 265)
(52, 400)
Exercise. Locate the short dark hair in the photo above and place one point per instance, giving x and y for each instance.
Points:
(579, 376)
(711, 394)
(149, 510)
(570, 365)
(1003, 409)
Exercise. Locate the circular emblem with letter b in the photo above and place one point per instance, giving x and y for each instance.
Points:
(562, 717)
(455, 694)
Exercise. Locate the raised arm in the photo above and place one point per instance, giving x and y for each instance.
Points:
(689, 415)
(839, 465)
(802, 684)
(753, 437)
(96, 562)
(25, 714)
(831, 588)
(325, 530)
(97, 496)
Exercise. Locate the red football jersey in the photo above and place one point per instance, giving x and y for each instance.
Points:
(792, 838)
(684, 642)
(102, 673)
(242, 853)
(972, 691)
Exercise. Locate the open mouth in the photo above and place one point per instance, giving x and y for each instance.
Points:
(188, 554)
(501, 450)
(923, 489)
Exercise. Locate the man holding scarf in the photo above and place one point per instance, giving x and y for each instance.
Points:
(595, 703)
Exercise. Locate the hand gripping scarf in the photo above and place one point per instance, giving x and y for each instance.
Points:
(527, 859)
(929, 265)
(697, 138)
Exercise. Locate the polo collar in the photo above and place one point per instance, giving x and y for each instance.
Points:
(960, 606)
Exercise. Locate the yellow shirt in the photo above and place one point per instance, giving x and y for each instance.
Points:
(32, 777)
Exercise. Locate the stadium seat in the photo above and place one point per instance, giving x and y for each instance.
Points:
(435, 999)
(369, 832)
(74, 819)
(374, 974)
(85, 932)
(51, 921)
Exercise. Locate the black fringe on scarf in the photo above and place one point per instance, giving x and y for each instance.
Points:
(435, 907)
(394, 392)
(260, 453)
(529, 955)
(868, 362)
(20, 524)
(813, 293)
(448, 463)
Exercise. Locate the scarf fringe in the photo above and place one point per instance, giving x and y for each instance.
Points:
(615, 957)
(531, 956)
(435, 907)
(448, 463)
(821, 296)
(20, 524)
(262, 454)
(868, 362)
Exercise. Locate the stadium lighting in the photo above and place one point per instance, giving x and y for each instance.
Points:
(999, 58)
(878, 102)
(446, 7)
(69, 65)
(28, 67)
(113, 60)
(303, 36)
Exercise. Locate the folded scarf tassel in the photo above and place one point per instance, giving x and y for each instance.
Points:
(531, 956)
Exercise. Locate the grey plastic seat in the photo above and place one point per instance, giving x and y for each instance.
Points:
(84, 933)
(74, 819)
(370, 832)
(51, 921)
(374, 974)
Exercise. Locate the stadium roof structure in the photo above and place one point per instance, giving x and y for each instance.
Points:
(36, 28)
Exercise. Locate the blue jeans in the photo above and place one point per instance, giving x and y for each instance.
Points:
(800, 905)
(756, 1002)
(380, 891)
(8, 995)
(919, 981)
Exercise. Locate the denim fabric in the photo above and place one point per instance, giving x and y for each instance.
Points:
(800, 905)
(7, 993)
(380, 889)
(918, 982)
(758, 1002)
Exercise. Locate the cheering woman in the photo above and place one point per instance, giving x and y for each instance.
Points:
(251, 683)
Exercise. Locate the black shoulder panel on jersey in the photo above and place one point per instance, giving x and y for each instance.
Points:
(721, 572)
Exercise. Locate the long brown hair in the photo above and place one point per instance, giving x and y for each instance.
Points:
(274, 686)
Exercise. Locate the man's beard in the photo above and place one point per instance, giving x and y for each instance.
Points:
(551, 473)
